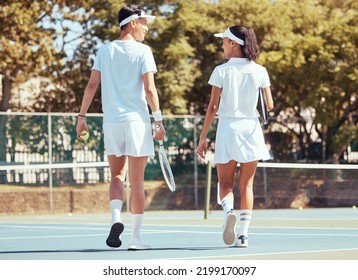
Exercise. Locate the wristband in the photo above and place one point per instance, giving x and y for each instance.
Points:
(83, 116)
(157, 116)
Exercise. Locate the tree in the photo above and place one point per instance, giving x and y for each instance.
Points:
(308, 46)
(33, 38)
(313, 63)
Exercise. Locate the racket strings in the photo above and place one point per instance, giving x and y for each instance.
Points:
(167, 173)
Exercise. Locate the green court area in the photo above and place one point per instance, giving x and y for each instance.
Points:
(279, 234)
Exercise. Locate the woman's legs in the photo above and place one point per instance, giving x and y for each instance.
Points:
(226, 175)
(246, 180)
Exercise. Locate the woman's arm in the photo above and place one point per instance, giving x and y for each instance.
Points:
(209, 118)
(269, 100)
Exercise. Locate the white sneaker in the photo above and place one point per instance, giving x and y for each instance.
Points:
(138, 244)
(242, 241)
(229, 234)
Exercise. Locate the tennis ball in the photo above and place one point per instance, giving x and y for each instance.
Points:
(354, 207)
(84, 135)
(300, 208)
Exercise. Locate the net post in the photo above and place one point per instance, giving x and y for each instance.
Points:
(265, 185)
(50, 179)
(208, 184)
(195, 136)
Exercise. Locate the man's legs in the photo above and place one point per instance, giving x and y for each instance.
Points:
(136, 168)
(116, 195)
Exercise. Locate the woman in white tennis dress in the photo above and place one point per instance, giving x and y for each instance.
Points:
(239, 137)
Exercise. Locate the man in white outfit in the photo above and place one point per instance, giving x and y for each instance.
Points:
(125, 69)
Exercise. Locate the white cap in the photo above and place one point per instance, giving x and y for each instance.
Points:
(149, 18)
(231, 36)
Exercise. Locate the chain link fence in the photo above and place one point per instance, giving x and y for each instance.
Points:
(44, 168)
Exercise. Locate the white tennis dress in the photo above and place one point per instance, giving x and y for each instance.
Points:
(239, 134)
(126, 121)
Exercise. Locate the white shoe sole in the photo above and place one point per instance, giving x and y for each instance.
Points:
(138, 247)
(245, 245)
(239, 244)
(229, 234)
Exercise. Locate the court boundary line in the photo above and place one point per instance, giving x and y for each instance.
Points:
(262, 254)
(129, 226)
(166, 231)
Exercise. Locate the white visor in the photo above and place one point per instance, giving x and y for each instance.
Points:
(149, 18)
(231, 36)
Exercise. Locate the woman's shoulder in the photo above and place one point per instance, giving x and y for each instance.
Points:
(222, 65)
(259, 66)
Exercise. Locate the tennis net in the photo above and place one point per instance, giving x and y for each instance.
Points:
(295, 185)
(83, 187)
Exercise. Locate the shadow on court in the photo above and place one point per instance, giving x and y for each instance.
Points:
(110, 250)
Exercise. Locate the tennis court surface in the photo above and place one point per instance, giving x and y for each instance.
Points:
(290, 234)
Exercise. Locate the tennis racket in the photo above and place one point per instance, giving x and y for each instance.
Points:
(262, 106)
(164, 165)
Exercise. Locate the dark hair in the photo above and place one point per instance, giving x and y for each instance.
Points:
(251, 49)
(128, 11)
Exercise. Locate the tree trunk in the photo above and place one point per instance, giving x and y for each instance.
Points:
(4, 106)
(3, 143)
(6, 93)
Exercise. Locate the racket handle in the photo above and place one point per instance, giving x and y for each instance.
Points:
(157, 128)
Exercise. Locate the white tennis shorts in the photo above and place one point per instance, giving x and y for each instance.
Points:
(241, 140)
(133, 138)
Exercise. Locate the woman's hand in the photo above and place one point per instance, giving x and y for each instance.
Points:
(202, 148)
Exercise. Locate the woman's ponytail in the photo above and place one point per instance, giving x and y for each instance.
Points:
(251, 49)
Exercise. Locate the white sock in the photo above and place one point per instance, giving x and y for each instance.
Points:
(116, 208)
(228, 203)
(245, 219)
(137, 221)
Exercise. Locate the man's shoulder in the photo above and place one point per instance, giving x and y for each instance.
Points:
(133, 47)
(142, 45)
(105, 46)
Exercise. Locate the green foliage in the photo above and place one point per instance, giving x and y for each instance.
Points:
(33, 40)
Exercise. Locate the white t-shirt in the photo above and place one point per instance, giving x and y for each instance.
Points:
(122, 64)
(239, 80)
